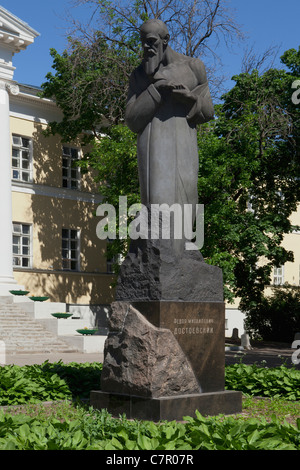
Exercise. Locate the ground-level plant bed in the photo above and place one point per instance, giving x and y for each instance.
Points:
(47, 382)
(253, 407)
(66, 427)
(265, 422)
(257, 380)
(56, 381)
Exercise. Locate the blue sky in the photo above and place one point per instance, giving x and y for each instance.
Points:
(265, 22)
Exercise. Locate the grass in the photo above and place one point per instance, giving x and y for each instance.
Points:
(61, 410)
(256, 407)
(253, 407)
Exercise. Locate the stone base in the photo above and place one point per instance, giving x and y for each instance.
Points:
(199, 329)
(142, 360)
(152, 270)
(167, 408)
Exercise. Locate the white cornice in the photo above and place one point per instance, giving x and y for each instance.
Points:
(29, 93)
(15, 36)
(26, 104)
(13, 88)
(60, 193)
(15, 33)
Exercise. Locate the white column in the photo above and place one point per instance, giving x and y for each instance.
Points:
(7, 281)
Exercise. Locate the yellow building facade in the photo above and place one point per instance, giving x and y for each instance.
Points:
(56, 252)
(48, 242)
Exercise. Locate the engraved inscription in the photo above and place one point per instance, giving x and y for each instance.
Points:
(193, 326)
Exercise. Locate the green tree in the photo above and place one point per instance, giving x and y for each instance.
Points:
(89, 86)
(91, 77)
(276, 317)
(249, 178)
(113, 159)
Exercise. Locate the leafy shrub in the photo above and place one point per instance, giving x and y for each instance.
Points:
(276, 318)
(47, 382)
(98, 430)
(266, 382)
(30, 384)
(58, 381)
(80, 378)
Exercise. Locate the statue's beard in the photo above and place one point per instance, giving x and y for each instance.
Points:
(151, 63)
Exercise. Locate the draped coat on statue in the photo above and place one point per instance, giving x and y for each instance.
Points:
(167, 136)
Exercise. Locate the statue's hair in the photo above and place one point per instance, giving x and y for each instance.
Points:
(158, 25)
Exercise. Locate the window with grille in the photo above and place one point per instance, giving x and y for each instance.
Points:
(21, 159)
(22, 245)
(70, 249)
(70, 172)
(110, 264)
(278, 276)
(112, 261)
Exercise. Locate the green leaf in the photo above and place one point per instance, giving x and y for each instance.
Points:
(169, 431)
(204, 429)
(144, 442)
(117, 444)
(254, 437)
(77, 438)
(24, 431)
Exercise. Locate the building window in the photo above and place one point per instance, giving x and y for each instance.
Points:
(112, 261)
(21, 159)
(22, 246)
(70, 249)
(70, 172)
(278, 276)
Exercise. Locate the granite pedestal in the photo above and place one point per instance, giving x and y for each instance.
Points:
(198, 328)
(168, 408)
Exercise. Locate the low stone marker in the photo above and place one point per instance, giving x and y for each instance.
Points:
(245, 341)
(235, 334)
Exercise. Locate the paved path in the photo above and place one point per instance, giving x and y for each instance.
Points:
(273, 357)
(29, 359)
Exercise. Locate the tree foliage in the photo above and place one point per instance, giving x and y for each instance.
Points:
(91, 79)
(114, 161)
(276, 317)
(90, 86)
(249, 179)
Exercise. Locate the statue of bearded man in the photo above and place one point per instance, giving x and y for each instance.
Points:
(168, 97)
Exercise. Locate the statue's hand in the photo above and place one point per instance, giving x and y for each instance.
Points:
(163, 85)
(184, 95)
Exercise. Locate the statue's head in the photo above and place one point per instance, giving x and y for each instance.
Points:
(155, 38)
